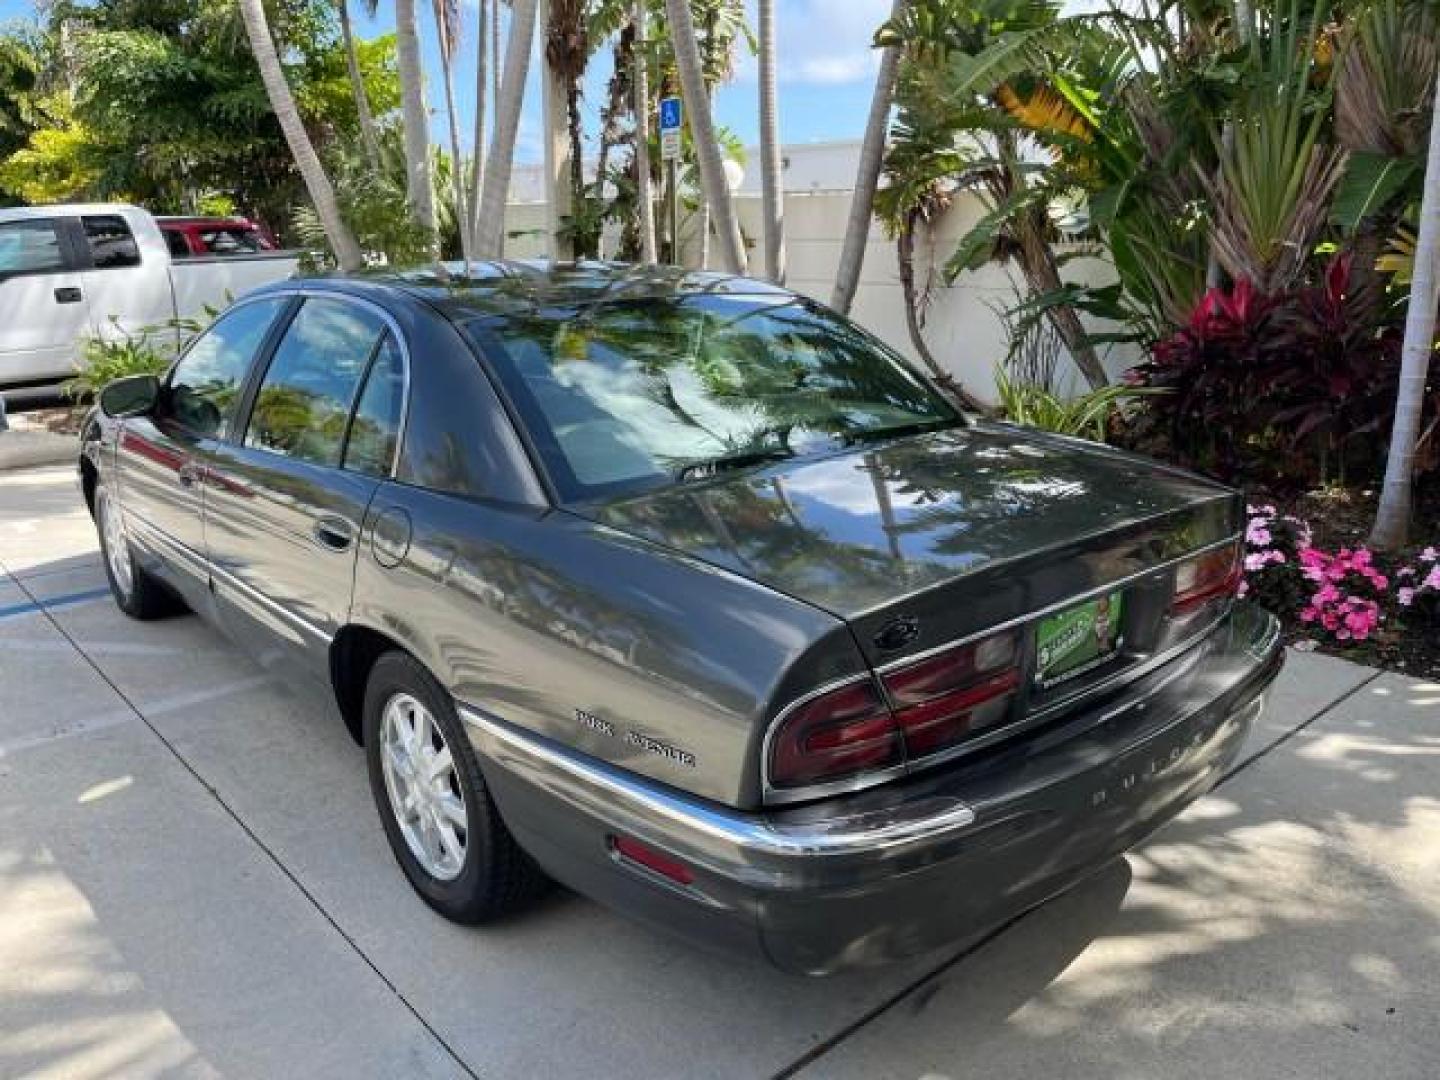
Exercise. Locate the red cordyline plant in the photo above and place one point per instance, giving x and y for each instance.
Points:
(1279, 388)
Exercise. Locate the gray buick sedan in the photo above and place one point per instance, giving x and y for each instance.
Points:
(682, 590)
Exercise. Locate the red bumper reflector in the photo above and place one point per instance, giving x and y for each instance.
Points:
(666, 866)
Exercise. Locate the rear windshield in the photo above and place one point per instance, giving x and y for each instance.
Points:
(628, 395)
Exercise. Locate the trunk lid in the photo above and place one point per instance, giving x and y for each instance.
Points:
(925, 540)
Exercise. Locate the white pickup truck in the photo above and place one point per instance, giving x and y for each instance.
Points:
(101, 270)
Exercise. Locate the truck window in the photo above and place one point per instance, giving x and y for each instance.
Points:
(111, 244)
(30, 247)
(176, 242)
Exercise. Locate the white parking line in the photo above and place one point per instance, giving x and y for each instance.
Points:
(106, 720)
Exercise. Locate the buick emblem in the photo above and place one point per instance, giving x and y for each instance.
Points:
(897, 633)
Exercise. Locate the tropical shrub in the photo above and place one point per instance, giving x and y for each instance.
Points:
(1290, 388)
(103, 360)
(1088, 416)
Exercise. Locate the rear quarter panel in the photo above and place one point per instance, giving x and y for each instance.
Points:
(602, 642)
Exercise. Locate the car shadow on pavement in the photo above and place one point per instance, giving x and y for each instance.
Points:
(1288, 925)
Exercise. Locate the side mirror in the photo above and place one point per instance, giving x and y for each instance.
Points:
(134, 395)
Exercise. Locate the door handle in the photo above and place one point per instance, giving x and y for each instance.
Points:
(334, 533)
(68, 294)
(189, 474)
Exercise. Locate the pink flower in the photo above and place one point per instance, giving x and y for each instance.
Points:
(1429, 555)
(1405, 596)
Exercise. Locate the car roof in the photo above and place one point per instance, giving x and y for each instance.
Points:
(463, 291)
(50, 210)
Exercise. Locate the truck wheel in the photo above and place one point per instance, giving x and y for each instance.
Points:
(442, 825)
(136, 592)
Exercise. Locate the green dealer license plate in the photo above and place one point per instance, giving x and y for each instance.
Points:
(1077, 640)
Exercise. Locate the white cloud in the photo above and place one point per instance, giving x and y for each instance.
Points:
(823, 42)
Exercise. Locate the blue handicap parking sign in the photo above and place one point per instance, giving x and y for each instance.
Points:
(669, 114)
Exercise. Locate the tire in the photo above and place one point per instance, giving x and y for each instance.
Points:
(492, 876)
(137, 593)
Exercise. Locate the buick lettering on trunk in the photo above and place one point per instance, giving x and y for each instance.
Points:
(682, 590)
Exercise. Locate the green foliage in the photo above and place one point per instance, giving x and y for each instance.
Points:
(168, 108)
(1276, 174)
(103, 360)
(1088, 416)
(373, 202)
(59, 162)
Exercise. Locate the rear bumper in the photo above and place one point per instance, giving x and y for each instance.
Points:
(909, 866)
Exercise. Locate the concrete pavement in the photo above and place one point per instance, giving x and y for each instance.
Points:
(193, 882)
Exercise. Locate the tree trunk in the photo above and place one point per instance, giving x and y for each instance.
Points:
(1042, 275)
(368, 138)
(702, 130)
(449, 42)
(558, 185)
(418, 188)
(905, 258)
(282, 101)
(482, 83)
(771, 181)
(495, 51)
(507, 124)
(644, 203)
(867, 177)
(1392, 518)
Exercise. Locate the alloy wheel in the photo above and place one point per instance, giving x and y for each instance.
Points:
(117, 547)
(423, 787)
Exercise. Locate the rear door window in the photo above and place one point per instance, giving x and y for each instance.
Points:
(303, 405)
(112, 245)
(375, 428)
(204, 388)
(30, 247)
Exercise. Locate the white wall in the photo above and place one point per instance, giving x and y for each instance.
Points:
(962, 328)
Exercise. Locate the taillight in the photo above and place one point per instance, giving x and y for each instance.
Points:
(933, 704)
(1206, 577)
(943, 699)
(833, 735)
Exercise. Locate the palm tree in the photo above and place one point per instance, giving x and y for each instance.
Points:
(482, 83)
(771, 190)
(282, 103)
(447, 25)
(1392, 518)
(867, 176)
(416, 116)
(643, 199)
(567, 54)
(491, 243)
(369, 140)
(702, 131)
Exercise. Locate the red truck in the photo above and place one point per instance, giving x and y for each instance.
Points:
(197, 237)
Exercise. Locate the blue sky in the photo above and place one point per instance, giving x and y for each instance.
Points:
(826, 65)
